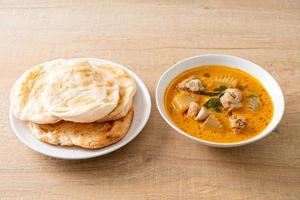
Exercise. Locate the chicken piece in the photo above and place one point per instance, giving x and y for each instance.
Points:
(232, 98)
(193, 109)
(202, 115)
(191, 84)
(238, 123)
(212, 122)
(254, 103)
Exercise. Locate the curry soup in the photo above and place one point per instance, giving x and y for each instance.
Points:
(218, 104)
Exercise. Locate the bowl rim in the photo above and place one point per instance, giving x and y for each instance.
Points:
(259, 136)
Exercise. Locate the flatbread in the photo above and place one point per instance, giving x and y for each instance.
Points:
(127, 90)
(81, 93)
(86, 135)
(26, 93)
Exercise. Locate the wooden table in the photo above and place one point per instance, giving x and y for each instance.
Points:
(150, 36)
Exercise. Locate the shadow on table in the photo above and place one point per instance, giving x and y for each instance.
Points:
(272, 150)
(121, 161)
(146, 151)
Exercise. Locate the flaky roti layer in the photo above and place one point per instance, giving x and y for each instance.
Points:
(81, 93)
(86, 135)
(26, 93)
(127, 90)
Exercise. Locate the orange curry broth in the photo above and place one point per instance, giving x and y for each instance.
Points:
(257, 121)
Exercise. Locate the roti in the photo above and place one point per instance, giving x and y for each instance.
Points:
(81, 93)
(26, 93)
(127, 90)
(86, 135)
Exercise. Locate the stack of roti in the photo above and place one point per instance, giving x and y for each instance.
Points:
(75, 102)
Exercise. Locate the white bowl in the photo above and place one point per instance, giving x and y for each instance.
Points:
(258, 72)
(142, 109)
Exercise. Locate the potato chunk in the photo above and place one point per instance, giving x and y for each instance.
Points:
(181, 101)
(254, 103)
(228, 81)
(212, 122)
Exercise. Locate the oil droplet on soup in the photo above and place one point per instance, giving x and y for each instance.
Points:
(256, 106)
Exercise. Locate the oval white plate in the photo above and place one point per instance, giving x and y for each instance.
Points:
(258, 72)
(142, 109)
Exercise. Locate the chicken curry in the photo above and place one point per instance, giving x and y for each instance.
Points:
(218, 104)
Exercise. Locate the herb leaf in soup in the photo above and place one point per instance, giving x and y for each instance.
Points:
(214, 103)
(218, 91)
(210, 94)
(221, 88)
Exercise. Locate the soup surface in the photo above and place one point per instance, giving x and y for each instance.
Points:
(218, 104)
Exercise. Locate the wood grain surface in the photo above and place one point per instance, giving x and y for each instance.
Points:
(149, 36)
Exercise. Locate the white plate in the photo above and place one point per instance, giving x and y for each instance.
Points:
(258, 72)
(142, 109)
